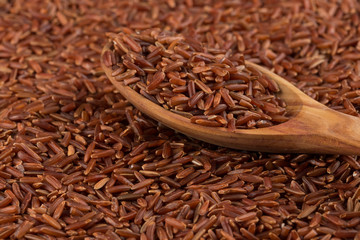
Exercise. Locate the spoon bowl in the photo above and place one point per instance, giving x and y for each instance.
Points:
(312, 127)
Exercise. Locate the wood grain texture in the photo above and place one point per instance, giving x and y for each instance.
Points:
(312, 128)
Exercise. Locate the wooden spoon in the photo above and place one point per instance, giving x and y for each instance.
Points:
(312, 127)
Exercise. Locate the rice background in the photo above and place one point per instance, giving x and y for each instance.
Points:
(78, 162)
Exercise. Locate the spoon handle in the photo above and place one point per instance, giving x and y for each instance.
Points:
(322, 130)
(313, 127)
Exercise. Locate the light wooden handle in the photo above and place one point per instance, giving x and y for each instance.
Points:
(313, 128)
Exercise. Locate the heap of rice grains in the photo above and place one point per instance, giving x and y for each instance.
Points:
(208, 85)
(76, 161)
